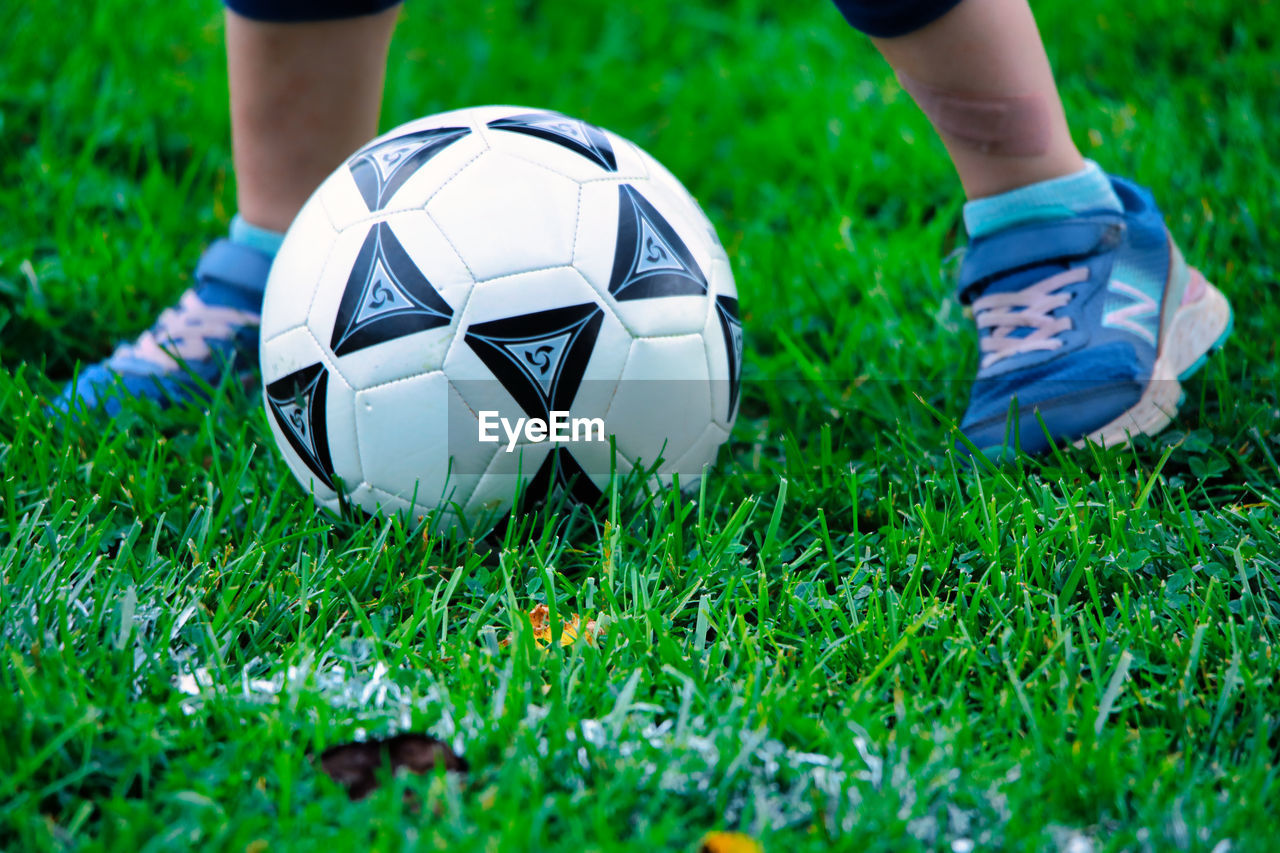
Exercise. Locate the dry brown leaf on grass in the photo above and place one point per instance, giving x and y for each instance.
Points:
(729, 842)
(570, 628)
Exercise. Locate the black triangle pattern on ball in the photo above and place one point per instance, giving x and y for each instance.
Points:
(386, 296)
(561, 469)
(650, 260)
(731, 327)
(381, 169)
(574, 134)
(539, 358)
(298, 403)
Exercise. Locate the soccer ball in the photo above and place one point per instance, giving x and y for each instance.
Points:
(496, 299)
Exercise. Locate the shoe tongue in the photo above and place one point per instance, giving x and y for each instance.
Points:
(1020, 279)
(1014, 282)
(1033, 252)
(229, 296)
(233, 275)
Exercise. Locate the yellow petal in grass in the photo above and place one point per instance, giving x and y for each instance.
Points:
(570, 628)
(729, 842)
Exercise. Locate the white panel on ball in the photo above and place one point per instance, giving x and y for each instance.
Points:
(596, 242)
(374, 500)
(600, 381)
(296, 272)
(288, 353)
(663, 400)
(674, 315)
(507, 216)
(402, 430)
(631, 162)
(701, 452)
(478, 117)
(527, 293)
(722, 277)
(344, 450)
(468, 458)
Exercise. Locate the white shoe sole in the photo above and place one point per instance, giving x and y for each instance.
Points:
(1197, 329)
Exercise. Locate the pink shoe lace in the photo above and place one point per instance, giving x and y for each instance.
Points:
(1027, 308)
(182, 332)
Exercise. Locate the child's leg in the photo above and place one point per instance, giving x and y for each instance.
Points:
(306, 84)
(990, 53)
(1087, 315)
(304, 95)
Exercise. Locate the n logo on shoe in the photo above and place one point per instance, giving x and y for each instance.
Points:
(1130, 309)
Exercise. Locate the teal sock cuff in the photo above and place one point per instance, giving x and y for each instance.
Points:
(1057, 198)
(263, 239)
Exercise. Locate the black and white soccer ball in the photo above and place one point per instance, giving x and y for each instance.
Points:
(471, 274)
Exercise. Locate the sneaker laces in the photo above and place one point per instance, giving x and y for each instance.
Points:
(1031, 307)
(183, 332)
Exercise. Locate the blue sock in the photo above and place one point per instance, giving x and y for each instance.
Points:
(1057, 198)
(263, 239)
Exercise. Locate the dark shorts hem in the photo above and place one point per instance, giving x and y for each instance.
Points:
(286, 11)
(889, 18)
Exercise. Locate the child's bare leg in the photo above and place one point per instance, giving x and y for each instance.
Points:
(981, 75)
(304, 95)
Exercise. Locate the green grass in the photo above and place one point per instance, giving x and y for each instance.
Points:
(846, 642)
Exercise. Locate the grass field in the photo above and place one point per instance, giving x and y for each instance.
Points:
(849, 642)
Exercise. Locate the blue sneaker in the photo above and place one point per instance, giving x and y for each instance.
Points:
(1087, 325)
(212, 330)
